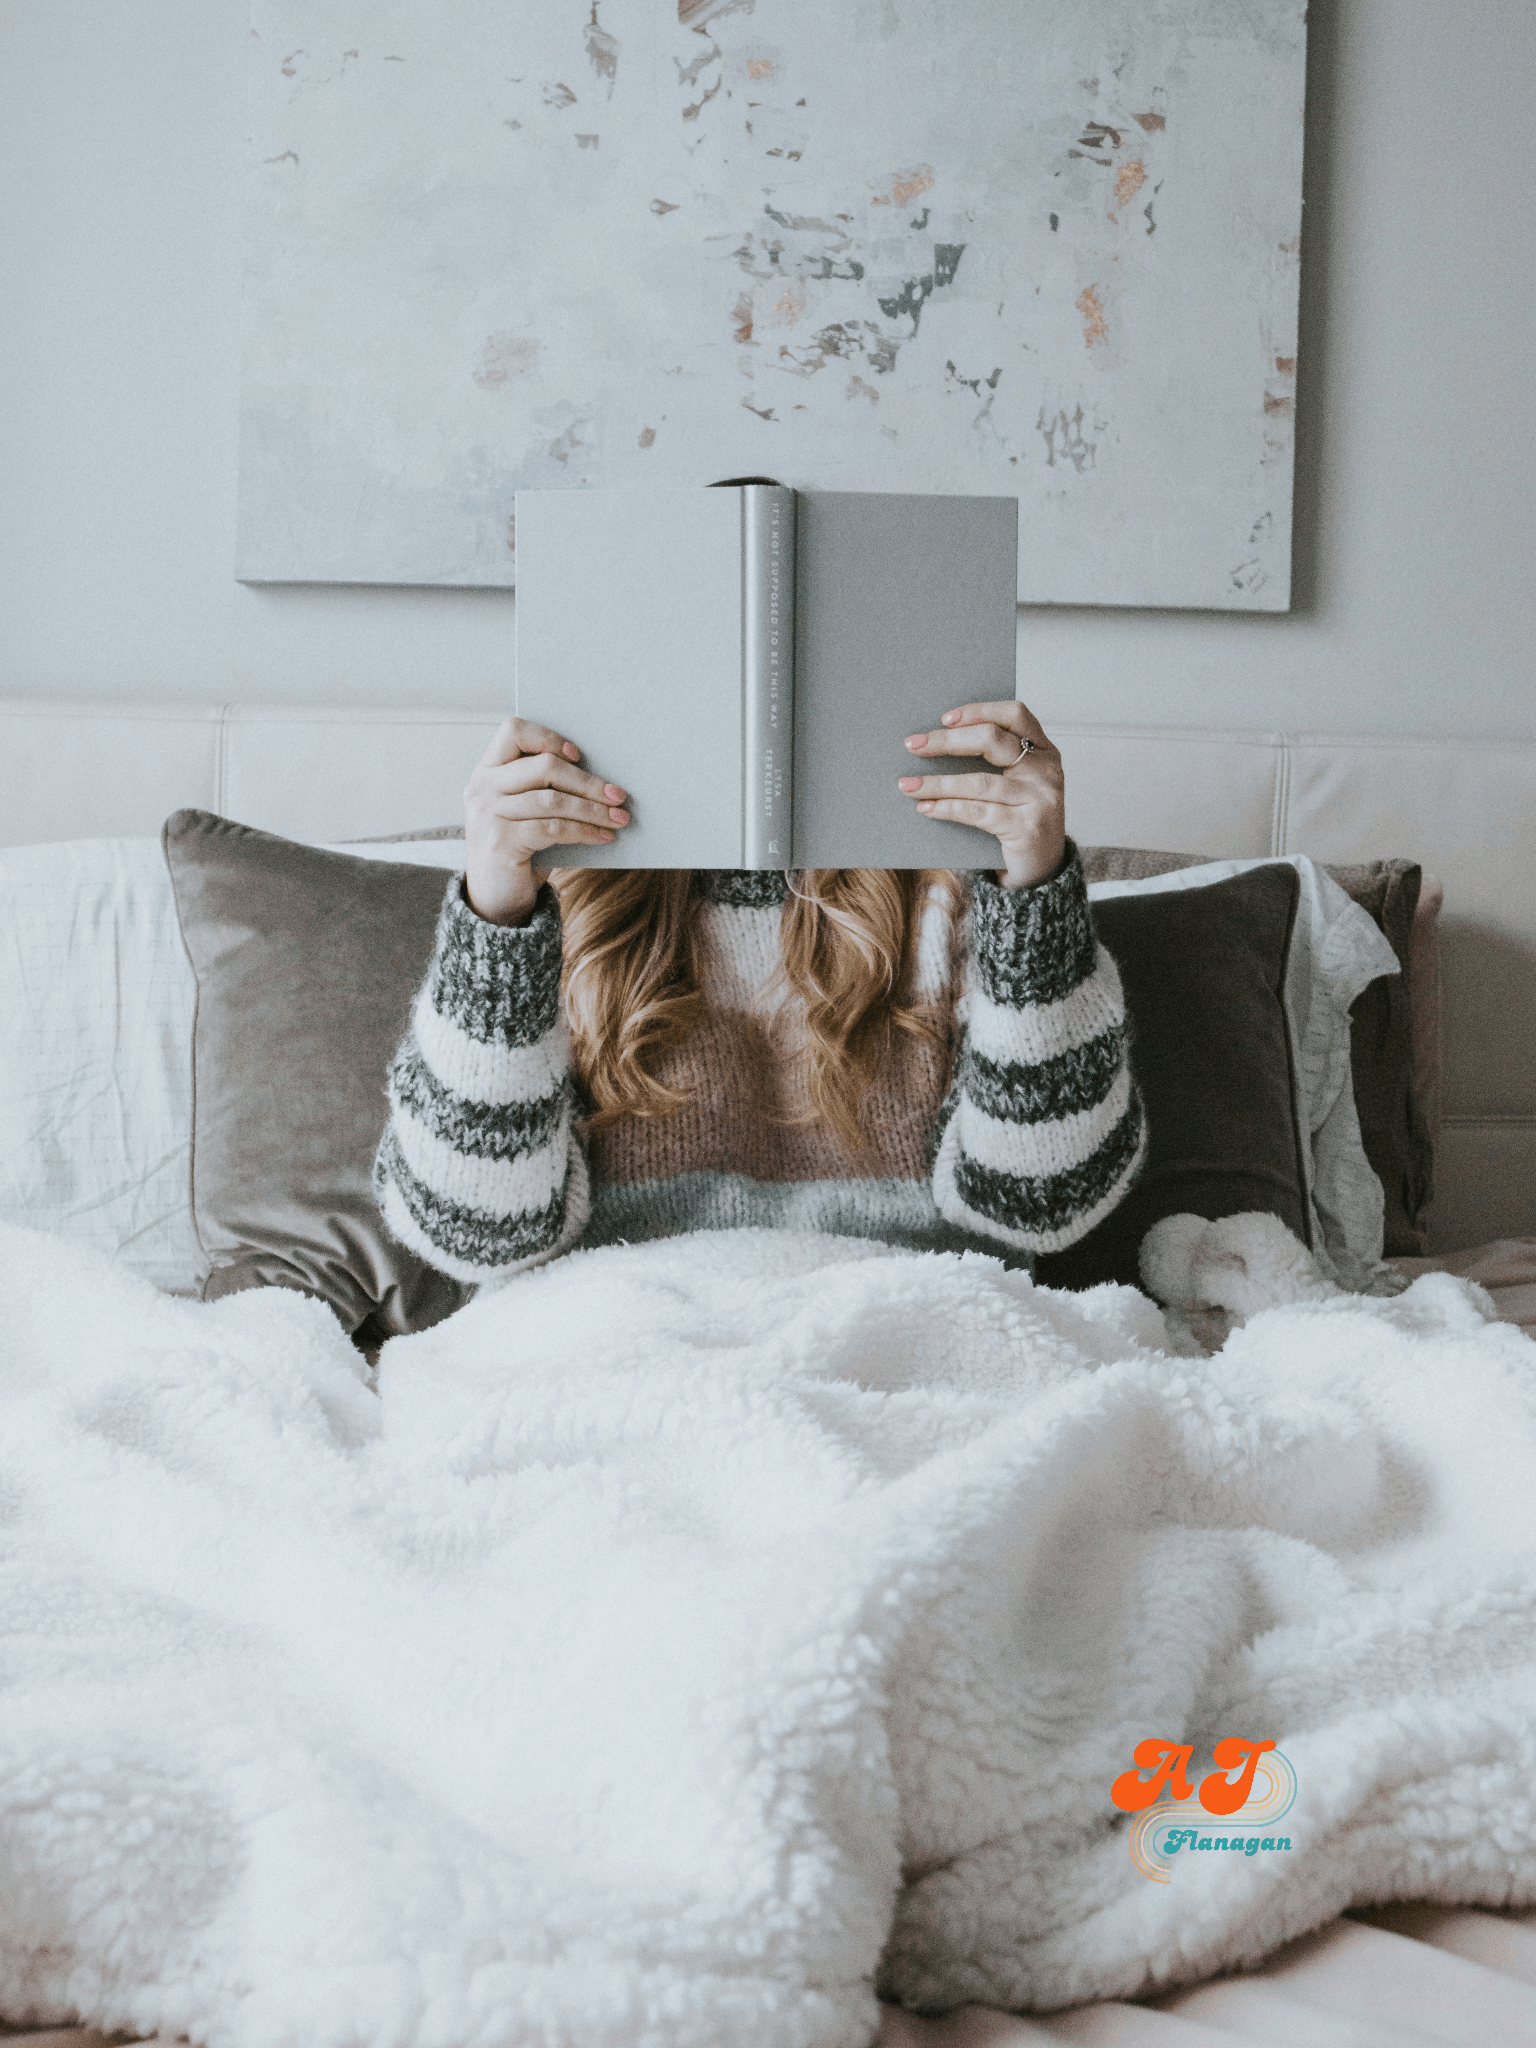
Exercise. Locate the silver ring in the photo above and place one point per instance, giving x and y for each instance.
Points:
(1025, 747)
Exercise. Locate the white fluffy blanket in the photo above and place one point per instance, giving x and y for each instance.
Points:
(688, 1640)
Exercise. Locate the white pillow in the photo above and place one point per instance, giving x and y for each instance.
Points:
(96, 1053)
(1337, 949)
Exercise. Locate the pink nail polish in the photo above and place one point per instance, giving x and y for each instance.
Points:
(618, 817)
(918, 739)
(925, 807)
(950, 718)
(909, 783)
(612, 791)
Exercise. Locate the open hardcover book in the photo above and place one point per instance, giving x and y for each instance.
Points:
(747, 661)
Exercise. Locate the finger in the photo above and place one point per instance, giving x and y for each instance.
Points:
(1008, 717)
(1002, 745)
(995, 743)
(569, 832)
(1008, 713)
(959, 730)
(993, 818)
(537, 805)
(516, 736)
(535, 771)
(982, 788)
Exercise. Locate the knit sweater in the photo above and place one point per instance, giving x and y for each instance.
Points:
(1021, 1143)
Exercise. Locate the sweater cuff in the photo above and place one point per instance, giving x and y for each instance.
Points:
(1033, 945)
(498, 983)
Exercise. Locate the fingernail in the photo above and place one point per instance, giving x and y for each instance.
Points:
(950, 718)
(571, 751)
(619, 817)
(909, 783)
(918, 739)
(925, 807)
(612, 791)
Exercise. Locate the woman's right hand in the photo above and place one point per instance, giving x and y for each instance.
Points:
(527, 793)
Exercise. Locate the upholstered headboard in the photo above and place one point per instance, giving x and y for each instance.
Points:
(1466, 809)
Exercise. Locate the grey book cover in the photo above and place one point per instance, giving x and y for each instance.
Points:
(746, 662)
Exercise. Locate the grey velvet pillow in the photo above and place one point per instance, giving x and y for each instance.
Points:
(306, 963)
(1394, 1128)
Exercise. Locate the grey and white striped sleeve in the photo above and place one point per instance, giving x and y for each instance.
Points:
(1042, 1132)
(481, 1169)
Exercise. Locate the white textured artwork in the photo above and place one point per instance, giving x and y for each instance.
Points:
(1039, 246)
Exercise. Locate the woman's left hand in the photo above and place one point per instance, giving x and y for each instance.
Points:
(1024, 804)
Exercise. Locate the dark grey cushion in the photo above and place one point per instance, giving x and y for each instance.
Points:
(1393, 1126)
(1204, 977)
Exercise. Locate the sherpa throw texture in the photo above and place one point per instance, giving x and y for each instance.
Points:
(687, 1639)
(485, 1168)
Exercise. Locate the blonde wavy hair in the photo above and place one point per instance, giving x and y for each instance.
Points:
(631, 981)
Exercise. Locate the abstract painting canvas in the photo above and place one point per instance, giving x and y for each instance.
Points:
(1044, 247)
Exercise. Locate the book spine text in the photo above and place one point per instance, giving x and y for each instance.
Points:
(767, 674)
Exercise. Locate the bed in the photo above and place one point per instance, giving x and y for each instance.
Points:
(1463, 810)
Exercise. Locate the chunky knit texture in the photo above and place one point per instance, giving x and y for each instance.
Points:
(486, 1166)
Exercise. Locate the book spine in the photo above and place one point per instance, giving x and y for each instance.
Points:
(767, 674)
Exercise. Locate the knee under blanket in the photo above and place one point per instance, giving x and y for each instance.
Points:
(688, 1641)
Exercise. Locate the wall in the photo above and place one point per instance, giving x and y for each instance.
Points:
(120, 164)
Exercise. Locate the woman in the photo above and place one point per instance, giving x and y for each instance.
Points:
(932, 1060)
